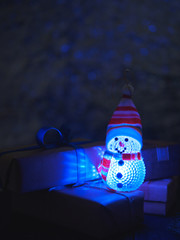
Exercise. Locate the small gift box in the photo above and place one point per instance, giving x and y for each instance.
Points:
(88, 209)
(96, 211)
(162, 160)
(159, 195)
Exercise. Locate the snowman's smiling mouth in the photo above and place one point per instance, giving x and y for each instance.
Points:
(122, 151)
(122, 148)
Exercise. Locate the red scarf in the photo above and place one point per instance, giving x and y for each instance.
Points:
(131, 156)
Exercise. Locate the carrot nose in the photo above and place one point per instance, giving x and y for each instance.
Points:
(121, 144)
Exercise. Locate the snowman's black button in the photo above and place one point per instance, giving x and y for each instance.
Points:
(119, 175)
(121, 163)
(119, 185)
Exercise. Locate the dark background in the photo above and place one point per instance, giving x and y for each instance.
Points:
(61, 62)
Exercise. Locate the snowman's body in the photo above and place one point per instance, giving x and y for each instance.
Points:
(127, 177)
(123, 168)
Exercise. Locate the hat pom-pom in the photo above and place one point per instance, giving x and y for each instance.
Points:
(128, 89)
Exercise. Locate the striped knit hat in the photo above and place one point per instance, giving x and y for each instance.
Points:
(125, 120)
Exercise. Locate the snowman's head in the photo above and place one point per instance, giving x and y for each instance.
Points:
(124, 140)
(123, 144)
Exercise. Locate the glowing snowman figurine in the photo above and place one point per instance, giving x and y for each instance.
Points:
(122, 167)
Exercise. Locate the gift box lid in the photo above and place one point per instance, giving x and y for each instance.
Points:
(37, 169)
(163, 190)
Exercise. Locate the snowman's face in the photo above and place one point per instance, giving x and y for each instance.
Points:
(123, 144)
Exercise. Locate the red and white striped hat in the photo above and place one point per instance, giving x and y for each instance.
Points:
(125, 120)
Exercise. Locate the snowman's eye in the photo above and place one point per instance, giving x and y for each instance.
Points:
(126, 139)
(116, 139)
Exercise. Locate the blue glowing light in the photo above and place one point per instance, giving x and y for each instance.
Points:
(92, 76)
(144, 51)
(74, 78)
(65, 48)
(152, 28)
(78, 54)
(128, 58)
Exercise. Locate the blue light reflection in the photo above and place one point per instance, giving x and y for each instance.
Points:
(152, 28)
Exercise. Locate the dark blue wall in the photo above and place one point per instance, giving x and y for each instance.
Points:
(61, 62)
